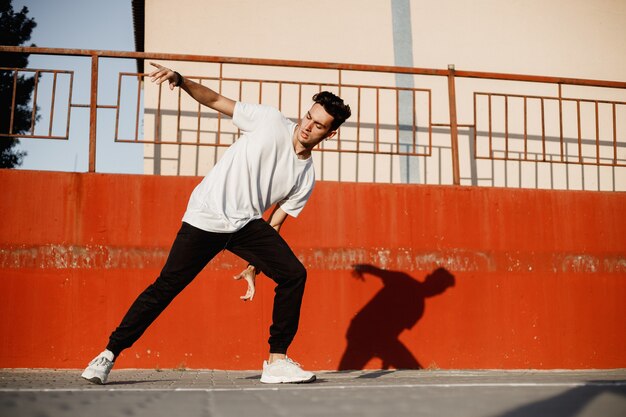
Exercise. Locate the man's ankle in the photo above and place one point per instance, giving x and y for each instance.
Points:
(109, 355)
(276, 356)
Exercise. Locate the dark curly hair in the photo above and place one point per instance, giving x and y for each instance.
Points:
(334, 106)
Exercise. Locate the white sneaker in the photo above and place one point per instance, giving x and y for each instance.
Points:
(285, 371)
(99, 368)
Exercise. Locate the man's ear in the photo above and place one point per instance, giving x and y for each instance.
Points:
(330, 135)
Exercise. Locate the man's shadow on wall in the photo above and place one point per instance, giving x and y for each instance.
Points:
(374, 331)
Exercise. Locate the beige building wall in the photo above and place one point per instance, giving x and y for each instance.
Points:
(566, 38)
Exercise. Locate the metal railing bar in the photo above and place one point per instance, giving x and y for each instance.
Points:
(430, 124)
(21, 135)
(138, 110)
(14, 95)
(312, 65)
(339, 80)
(299, 100)
(377, 130)
(69, 104)
(398, 119)
(372, 126)
(199, 116)
(580, 145)
(179, 97)
(467, 125)
(561, 121)
(552, 161)
(157, 122)
(301, 83)
(413, 125)
(119, 98)
(541, 79)
(93, 112)
(225, 145)
(240, 97)
(474, 125)
(525, 127)
(358, 119)
(582, 100)
(52, 102)
(614, 134)
(490, 127)
(506, 126)
(597, 135)
(543, 130)
(219, 115)
(34, 112)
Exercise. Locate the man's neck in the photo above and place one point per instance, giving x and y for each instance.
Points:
(302, 152)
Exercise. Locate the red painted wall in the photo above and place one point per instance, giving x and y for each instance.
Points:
(539, 277)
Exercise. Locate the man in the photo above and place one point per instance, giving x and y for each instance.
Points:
(269, 165)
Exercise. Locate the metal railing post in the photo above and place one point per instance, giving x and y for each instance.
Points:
(93, 113)
(454, 133)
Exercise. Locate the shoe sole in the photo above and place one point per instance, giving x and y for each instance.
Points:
(276, 380)
(94, 380)
(89, 376)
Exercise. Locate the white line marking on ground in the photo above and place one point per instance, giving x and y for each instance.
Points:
(619, 383)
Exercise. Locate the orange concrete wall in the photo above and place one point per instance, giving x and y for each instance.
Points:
(540, 277)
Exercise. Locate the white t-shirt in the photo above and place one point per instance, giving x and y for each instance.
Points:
(259, 170)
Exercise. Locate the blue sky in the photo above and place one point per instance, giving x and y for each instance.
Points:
(81, 24)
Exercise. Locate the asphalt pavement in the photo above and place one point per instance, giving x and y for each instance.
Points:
(389, 393)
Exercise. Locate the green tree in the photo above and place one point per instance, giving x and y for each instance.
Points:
(15, 29)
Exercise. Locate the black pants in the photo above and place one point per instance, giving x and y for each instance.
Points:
(257, 243)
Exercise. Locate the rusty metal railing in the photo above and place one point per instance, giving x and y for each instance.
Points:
(611, 108)
(377, 146)
(513, 138)
(37, 74)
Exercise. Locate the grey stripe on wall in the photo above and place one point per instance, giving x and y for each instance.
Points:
(403, 57)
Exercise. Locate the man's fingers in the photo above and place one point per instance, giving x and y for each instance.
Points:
(251, 290)
(158, 69)
(250, 280)
(162, 74)
(248, 296)
(160, 77)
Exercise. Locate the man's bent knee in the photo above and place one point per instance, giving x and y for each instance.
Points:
(293, 273)
(299, 272)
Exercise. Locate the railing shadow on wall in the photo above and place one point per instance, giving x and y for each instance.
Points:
(498, 130)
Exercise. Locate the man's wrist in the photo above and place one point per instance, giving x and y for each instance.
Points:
(256, 272)
(179, 79)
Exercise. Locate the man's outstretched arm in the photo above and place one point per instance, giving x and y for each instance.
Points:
(358, 270)
(202, 94)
